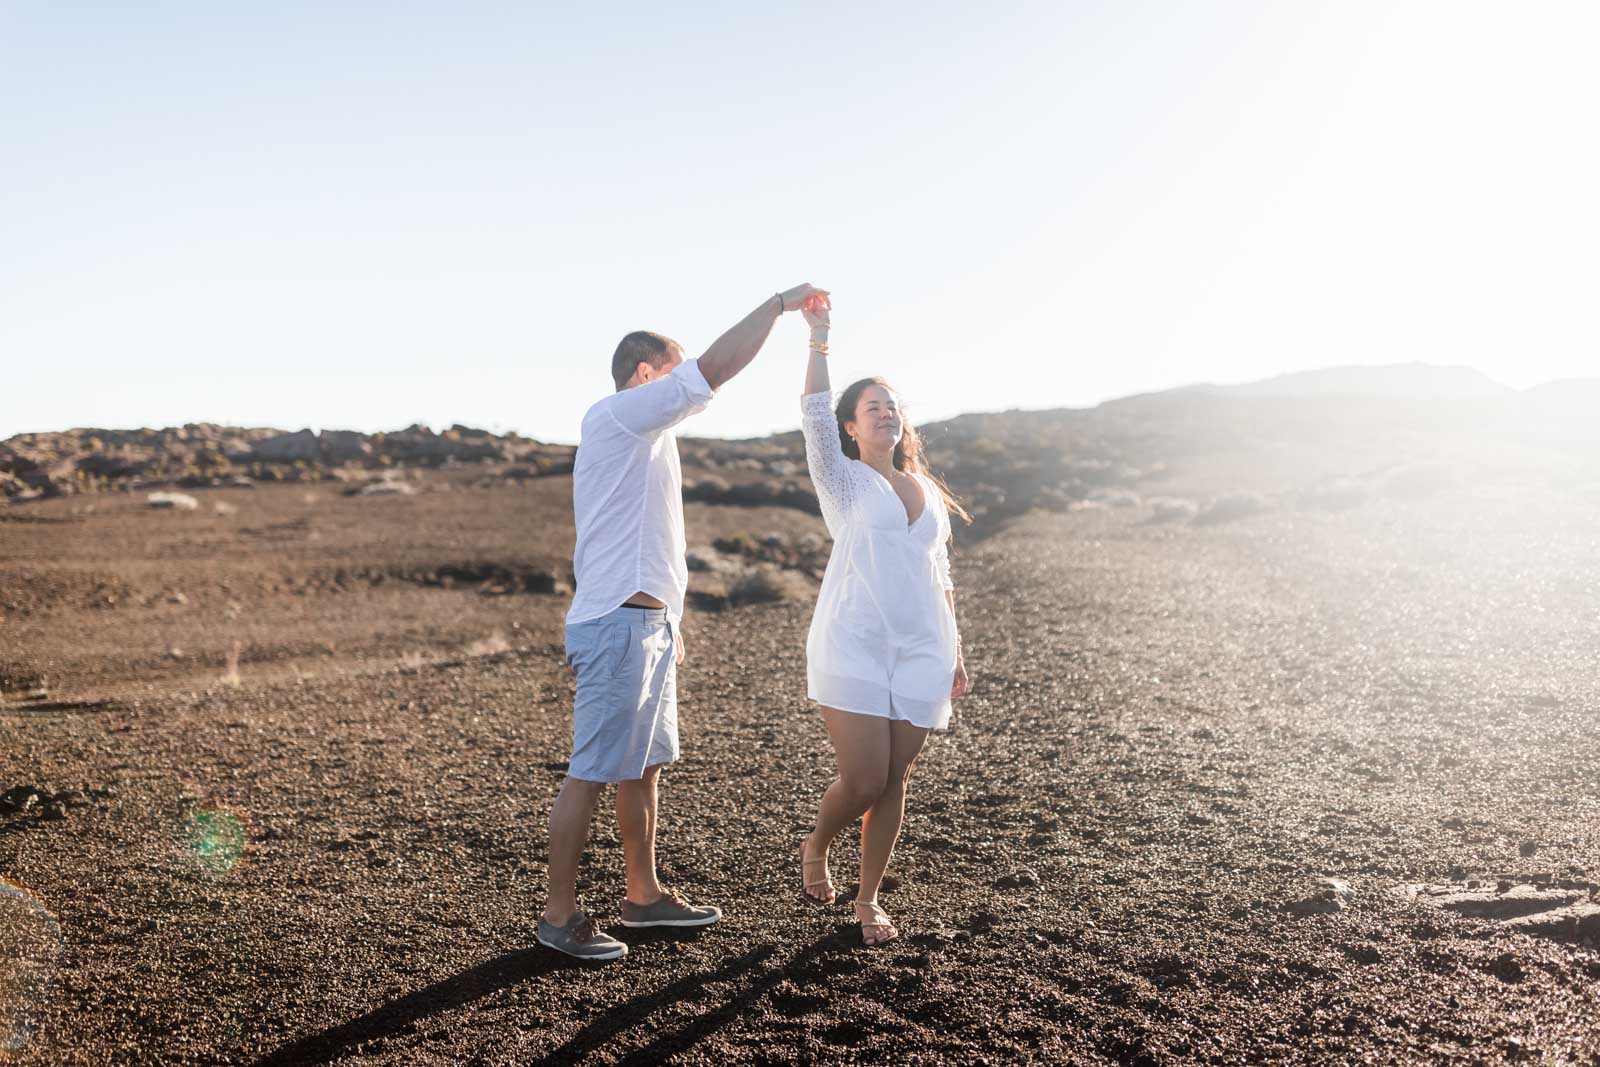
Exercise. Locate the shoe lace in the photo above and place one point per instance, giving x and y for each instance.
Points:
(584, 931)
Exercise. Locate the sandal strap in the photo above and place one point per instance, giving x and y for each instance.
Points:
(806, 864)
(879, 916)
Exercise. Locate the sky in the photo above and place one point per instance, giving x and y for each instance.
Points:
(369, 215)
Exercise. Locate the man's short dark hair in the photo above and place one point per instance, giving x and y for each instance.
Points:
(640, 346)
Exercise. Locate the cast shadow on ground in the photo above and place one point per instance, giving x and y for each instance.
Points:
(400, 1016)
(635, 1013)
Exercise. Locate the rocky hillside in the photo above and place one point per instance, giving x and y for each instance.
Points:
(200, 455)
(1200, 455)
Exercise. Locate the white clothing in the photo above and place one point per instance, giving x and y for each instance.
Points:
(883, 639)
(627, 496)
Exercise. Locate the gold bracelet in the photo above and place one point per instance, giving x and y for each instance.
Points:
(819, 349)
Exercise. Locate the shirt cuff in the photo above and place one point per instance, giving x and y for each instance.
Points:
(694, 380)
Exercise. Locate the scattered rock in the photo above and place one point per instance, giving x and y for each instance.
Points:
(172, 501)
(1018, 879)
(1323, 901)
(935, 938)
(19, 799)
(1337, 886)
(1507, 967)
(387, 488)
(1527, 848)
(983, 922)
(1365, 953)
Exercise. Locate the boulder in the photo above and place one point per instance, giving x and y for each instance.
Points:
(344, 446)
(288, 448)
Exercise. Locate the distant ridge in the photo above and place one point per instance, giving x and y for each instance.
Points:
(1396, 381)
(1569, 397)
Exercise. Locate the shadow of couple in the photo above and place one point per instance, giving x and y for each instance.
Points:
(753, 969)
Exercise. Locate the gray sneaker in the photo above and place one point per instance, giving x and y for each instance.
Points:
(670, 910)
(581, 938)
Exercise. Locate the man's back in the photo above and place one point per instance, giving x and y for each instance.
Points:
(627, 495)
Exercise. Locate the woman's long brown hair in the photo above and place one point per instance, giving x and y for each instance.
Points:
(907, 454)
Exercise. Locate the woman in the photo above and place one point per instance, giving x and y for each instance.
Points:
(883, 657)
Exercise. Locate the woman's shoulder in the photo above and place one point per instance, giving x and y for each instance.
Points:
(932, 491)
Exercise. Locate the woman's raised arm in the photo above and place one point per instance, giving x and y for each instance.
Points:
(830, 469)
(815, 311)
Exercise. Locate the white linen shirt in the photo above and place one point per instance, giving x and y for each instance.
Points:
(627, 495)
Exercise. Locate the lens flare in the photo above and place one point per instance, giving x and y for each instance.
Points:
(217, 838)
(30, 948)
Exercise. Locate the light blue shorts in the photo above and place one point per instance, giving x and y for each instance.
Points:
(625, 718)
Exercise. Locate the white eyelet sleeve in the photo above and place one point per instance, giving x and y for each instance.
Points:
(830, 467)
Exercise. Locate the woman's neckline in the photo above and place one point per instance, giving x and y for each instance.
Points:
(922, 491)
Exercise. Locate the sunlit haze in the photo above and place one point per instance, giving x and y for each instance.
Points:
(366, 216)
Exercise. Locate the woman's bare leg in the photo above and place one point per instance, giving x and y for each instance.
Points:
(861, 744)
(881, 827)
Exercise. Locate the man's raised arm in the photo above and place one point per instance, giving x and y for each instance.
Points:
(733, 351)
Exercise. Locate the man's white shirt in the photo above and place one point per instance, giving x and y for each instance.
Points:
(627, 495)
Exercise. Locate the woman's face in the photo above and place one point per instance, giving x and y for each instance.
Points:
(878, 425)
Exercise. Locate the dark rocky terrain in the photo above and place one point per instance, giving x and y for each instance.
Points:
(1281, 749)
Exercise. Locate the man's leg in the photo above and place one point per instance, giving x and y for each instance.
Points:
(636, 817)
(569, 832)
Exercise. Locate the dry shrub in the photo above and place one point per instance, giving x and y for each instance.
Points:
(767, 585)
(1340, 494)
(1115, 498)
(1230, 506)
(1414, 481)
(492, 645)
(1172, 509)
(230, 677)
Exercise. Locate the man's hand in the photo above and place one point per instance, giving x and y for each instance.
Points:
(733, 351)
(797, 297)
(815, 310)
(677, 633)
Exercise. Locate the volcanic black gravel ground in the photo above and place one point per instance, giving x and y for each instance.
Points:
(1115, 855)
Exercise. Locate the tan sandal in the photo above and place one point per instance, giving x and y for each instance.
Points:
(826, 884)
(876, 919)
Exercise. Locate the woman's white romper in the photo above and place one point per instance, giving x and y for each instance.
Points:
(883, 639)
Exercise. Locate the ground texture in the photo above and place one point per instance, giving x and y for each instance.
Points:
(1297, 784)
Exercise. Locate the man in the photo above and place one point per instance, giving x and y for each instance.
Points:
(622, 630)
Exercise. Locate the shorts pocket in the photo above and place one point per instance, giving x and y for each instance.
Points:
(599, 648)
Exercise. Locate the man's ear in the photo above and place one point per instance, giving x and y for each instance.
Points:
(643, 372)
